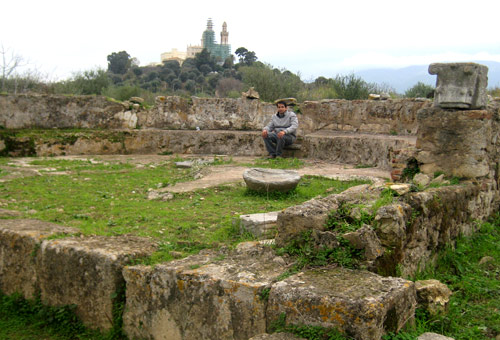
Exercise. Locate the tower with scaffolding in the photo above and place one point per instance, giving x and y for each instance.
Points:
(219, 51)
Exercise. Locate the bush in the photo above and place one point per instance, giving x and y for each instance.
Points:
(419, 90)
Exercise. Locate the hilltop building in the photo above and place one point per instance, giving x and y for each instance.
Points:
(219, 51)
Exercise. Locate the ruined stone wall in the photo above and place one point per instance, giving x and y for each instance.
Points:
(95, 112)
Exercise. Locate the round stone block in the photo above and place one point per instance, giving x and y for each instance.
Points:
(269, 180)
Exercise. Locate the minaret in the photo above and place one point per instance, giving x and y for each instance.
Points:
(224, 35)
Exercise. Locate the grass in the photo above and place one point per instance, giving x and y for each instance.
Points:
(102, 198)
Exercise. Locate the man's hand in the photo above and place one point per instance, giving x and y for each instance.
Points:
(264, 133)
(281, 134)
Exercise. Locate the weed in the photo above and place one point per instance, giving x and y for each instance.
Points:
(264, 294)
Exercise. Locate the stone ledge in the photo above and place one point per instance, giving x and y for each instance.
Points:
(20, 241)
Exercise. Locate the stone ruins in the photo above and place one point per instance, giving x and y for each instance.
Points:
(240, 293)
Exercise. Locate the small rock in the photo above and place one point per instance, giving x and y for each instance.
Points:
(486, 259)
(184, 164)
(433, 336)
(421, 180)
(433, 295)
(137, 100)
(438, 180)
(365, 238)
(279, 260)
(250, 94)
(401, 189)
(154, 195)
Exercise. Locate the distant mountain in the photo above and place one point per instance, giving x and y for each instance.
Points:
(404, 78)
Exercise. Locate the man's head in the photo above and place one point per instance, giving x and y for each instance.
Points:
(282, 107)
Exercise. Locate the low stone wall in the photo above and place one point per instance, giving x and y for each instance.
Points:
(410, 230)
(94, 112)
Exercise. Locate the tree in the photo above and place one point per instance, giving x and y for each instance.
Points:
(245, 56)
(419, 90)
(9, 64)
(241, 53)
(119, 63)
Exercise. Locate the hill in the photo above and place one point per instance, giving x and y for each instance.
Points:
(404, 78)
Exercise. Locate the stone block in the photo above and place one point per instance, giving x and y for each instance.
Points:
(213, 295)
(433, 295)
(87, 272)
(270, 180)
(259, 225)
(460, 85)
(20, 242)
(358, 303)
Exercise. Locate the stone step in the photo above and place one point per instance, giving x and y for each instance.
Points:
(238, 295)
(338, 146)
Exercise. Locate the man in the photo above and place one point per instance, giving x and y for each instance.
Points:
(280, 131)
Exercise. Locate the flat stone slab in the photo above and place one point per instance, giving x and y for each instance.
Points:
(259, 224)
(360, 303)
(20, 241)
(270, 180)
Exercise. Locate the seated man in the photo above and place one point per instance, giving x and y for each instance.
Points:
(280, 131)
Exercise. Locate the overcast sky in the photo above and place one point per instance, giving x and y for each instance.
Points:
(315, 38)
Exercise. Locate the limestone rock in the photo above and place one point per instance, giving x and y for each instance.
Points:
(433, 295)
(401, 189)
(18, 269)
(358, 303)
(250, 94)
(156, 195)
(87, 272)
(391, 225)
(460, 85)
(433, 336)
(269, 180)
(439, 180)
(365, 238)
(421, 180)
(137, 100)
(259, 224)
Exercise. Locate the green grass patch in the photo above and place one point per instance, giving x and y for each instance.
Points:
(22, 319)
(111, 199)
(473, 311)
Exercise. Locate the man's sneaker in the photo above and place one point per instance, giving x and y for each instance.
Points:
(271, 156)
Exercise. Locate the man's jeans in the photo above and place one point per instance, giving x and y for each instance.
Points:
(274, 145)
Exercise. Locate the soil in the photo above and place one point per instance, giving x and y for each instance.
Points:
(209, 176)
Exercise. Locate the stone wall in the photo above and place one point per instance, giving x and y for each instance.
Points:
(95, 112)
